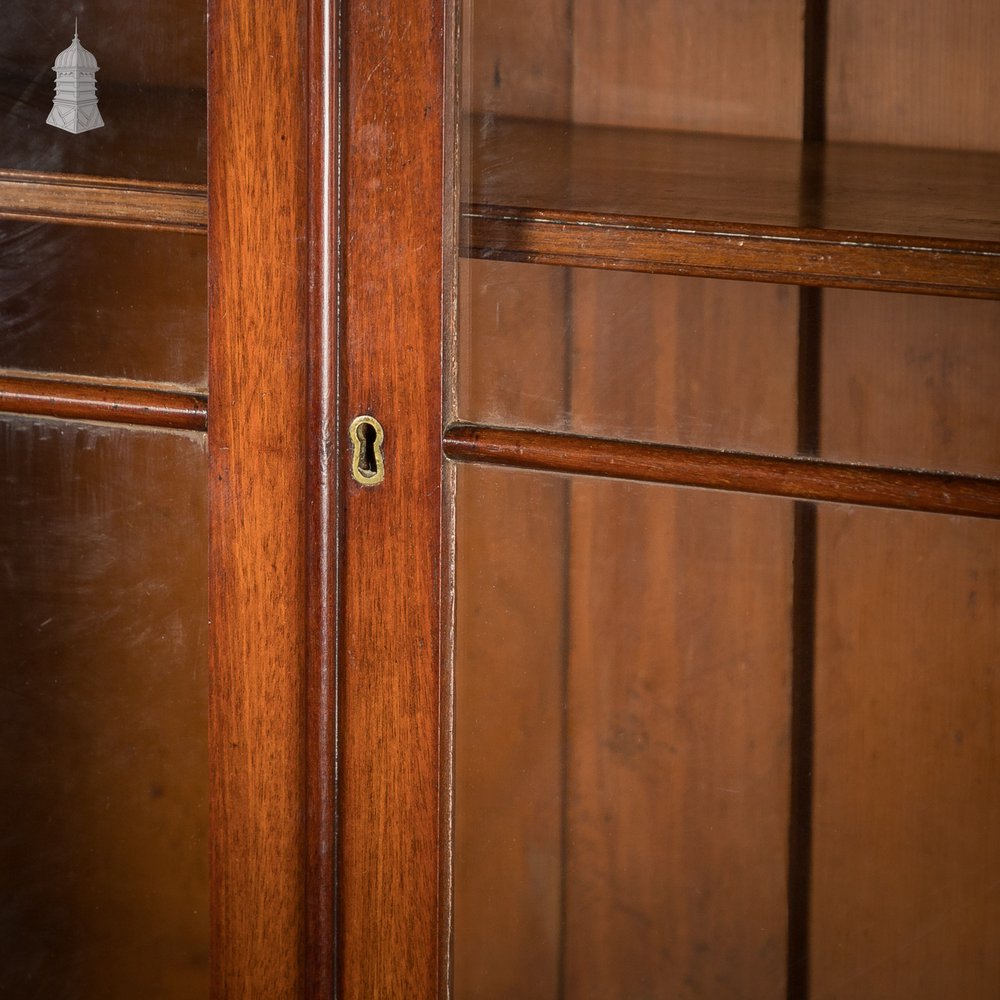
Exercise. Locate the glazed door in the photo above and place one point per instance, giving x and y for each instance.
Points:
(669, 637)
(132, 720)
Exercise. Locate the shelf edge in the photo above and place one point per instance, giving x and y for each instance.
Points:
(105, 202)
(787, 256)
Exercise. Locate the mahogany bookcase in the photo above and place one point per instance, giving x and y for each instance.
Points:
(662, 659)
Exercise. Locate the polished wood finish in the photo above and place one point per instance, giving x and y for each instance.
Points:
(257, 444)
(911, 382)
(511, 669)
(672, 720)
(801, 478)
(322, 515)
(393, 200)
(88, 399)
(843, 215)
(103, 201)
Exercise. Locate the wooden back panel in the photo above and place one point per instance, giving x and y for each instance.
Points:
(906, 756)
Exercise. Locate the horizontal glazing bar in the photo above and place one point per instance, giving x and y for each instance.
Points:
(80, 399)
(799, 478)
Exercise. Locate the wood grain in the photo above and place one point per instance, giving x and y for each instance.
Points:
(517, 57)
(801, 478)
(322, 474)
(911, 382)
(103, 201)
(907, 820)
(730, 66)
(257, 443)
(891, 219)
(919, 75)
(686, 360)
(120, 403)
(677, 742)
(510, 679)
(390, 904)
(665, 642)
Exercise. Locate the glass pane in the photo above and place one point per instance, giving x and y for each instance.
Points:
(107, 302)
(621, 740)
(150, 88)
(628, 692)
(103, 712)
(904, 380)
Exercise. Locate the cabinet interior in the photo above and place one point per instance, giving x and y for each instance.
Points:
(703, 746)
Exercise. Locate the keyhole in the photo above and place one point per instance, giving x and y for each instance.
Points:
(366, 456)
(367, 464)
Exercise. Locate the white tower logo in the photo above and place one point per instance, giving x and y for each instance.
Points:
(75, 106)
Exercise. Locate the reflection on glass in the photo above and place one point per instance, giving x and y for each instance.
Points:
(151, 88)
(623, 745)
(106, 302)
(103, 712)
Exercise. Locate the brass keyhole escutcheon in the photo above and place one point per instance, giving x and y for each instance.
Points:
(367, 463)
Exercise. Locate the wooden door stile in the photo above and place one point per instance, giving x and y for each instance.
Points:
(259, 482)
(394, 94)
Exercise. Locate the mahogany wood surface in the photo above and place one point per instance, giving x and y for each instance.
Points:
(391, 289)
(801, 478)
(764, 209)
(733, 66)
(511, 658)
(85, 399)
(911, 381)
(257, 445)
(101, 201)
(322, 486)
(677, 724)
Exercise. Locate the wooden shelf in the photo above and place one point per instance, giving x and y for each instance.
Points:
(877, 217)
(104, 201)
